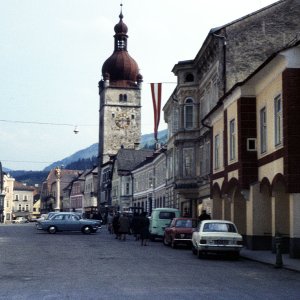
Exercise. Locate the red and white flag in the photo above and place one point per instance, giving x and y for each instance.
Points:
(156, 100)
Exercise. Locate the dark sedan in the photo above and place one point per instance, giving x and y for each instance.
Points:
(65, 221)
(180, 232)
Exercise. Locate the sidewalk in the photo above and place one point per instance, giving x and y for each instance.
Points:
(268, 257)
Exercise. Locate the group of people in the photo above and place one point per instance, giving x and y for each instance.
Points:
(122, 224)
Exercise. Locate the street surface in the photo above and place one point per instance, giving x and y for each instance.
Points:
(37, 265)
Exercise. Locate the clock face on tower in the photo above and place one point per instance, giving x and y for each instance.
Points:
(122, 120)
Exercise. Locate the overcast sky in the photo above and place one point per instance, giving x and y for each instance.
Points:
(51, 55)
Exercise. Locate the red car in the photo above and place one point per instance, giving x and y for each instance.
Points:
(180, 232)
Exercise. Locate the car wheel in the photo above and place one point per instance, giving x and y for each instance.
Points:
(194, 250)
(52, 229)
(87, 230)
(235, 255)
(200, 254)
(173, 244)
(165, 241)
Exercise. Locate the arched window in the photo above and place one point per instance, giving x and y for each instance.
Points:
(189, 78)
(189, 114)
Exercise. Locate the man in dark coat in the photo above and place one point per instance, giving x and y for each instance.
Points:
(204, 216)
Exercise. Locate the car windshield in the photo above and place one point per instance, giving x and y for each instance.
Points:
(186, 223)
(218, 227)
(166, 215)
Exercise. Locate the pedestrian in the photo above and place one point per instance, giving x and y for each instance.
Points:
(109, 223)
(136, 226)
(115, 224)
(144, 229)
(204, 216)
(124, 226)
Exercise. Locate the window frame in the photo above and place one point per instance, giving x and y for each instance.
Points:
(189, 114)
(263, 130)
(232, 140)
(278, 120)
(217, 139)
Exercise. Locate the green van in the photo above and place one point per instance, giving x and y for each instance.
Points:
(160, 219)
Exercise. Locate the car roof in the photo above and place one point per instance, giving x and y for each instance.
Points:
(164, 209)
(184, 218)
(217, 221)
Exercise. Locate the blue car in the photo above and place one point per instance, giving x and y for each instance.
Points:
(68, 221)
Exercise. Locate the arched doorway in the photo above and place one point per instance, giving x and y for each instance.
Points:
(281, 220)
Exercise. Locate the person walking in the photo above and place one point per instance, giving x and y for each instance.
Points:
(204, 216)
(144, 229)
(109, 223)
(115, 225)
(136, 226)
(124, 226)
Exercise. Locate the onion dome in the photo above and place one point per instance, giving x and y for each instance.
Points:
(120, 67)
(121, 27)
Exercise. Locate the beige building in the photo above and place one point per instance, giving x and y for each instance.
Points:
(22, 205)
(255, 174)
(149, 182)
(90, 191)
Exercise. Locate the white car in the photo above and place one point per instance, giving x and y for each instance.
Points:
(216, 236)
(20, 220)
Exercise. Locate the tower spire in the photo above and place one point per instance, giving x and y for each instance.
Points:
(121, 12)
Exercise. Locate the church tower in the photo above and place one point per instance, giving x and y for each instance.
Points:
(120, 98)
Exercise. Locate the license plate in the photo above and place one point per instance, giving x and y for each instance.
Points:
(221, 242)
(182, 235)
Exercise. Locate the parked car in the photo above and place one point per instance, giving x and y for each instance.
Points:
(20, 220)
(160, 219)
(217, 236)
(32, 218)
(68, 221)
(180, 232)
(42, 217)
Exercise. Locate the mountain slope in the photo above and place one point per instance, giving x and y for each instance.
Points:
(147, 140)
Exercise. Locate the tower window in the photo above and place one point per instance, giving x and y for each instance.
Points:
(132, 117)
(189, 78)
(113, 115)
(121, 44)
(123, 98)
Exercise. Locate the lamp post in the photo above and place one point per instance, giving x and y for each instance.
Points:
(2, 195)
(57, 174)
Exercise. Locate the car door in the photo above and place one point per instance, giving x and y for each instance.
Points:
(57, 221)
(72, 223)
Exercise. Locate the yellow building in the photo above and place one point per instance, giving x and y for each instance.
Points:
(256, 153)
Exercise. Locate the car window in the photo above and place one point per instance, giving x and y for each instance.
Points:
(218, 227)
(166, 215)
(57, 217)
(75, 218)
(186, 223)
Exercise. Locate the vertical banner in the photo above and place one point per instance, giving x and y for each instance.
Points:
(156, 100)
